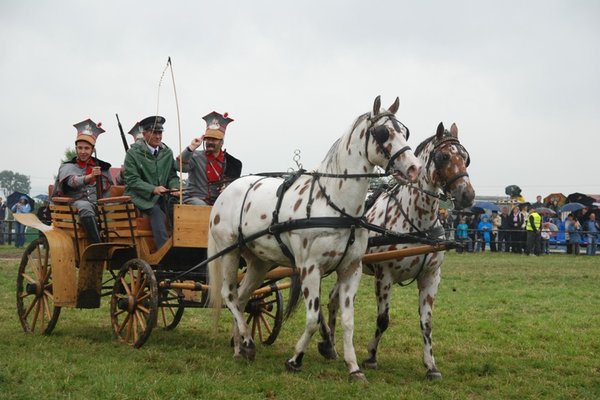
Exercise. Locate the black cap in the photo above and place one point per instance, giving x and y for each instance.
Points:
(153, 123)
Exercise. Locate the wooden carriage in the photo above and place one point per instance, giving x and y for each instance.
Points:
(147, 286)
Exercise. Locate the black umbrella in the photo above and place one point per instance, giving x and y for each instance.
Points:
(14, 198)
(580, 198)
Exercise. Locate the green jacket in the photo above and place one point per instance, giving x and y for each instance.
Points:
(143, 172)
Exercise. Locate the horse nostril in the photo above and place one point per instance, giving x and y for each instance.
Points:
(413, 173)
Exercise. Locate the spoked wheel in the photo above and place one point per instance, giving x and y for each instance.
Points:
(134, 303)
(170, 308)
(35, 300)
(265, 316)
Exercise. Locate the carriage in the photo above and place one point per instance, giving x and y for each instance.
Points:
(148, 287)
(317, 226)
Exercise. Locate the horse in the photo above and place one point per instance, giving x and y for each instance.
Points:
(309, 222)
(414, 209)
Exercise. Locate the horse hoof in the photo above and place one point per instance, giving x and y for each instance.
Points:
(357, 376)
(434, 375)
(292, 367)
(248, 351)
(327, 350)
(370, 364)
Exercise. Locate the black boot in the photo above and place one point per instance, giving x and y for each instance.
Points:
(91, 229)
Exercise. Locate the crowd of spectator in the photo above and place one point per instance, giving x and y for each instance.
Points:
(521, 229)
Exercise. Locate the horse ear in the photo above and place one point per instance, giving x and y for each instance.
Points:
(376, 105)
(454, 130)
(440, 130)
(394, 107)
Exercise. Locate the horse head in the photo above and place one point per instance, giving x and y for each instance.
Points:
(447, 166)
(386, 144)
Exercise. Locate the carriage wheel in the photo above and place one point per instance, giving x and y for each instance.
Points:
(170, 308)
(134, 303)
(35, 300)
(265, 316)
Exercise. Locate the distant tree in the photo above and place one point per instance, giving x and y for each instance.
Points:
(70, 153)
(13, 181)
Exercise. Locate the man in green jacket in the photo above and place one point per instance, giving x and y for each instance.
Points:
(149, 174)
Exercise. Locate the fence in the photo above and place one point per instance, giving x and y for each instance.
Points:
(8, 234)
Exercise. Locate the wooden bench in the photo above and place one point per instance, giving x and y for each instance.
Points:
(117, 218)
(64, 216)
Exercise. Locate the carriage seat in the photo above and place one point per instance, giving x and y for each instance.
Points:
(65, 216)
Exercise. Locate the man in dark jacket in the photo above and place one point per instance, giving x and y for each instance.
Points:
(211, 169)
(149, 174)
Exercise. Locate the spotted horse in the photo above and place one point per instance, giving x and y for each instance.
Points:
(311, 222)
(413, 209)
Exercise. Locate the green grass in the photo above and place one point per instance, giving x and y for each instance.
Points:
(505, 327)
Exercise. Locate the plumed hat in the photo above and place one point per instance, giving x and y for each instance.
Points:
(216, 124)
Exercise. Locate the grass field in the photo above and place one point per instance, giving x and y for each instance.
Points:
(505, 327)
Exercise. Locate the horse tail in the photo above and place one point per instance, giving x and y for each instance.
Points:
(294, 296)
(215, 280)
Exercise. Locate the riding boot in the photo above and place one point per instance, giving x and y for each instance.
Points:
(91, 229)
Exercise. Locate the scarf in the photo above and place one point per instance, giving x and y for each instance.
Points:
(88, 165)
(214, 166)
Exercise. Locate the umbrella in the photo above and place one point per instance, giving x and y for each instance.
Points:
(42, 197)
(560, 198)
(552, 227)
(14, 198)
(570, 207)
(512, 190)
(486, 205)
(580, 198)
(545, 210)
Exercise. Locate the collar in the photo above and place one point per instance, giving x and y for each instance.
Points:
(89, 162)
(219, 157)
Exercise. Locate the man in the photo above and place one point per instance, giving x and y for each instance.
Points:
(504, 231)
(21, 207)
(85, 178)
(149, 174)
(592, 227)
(538, 202)
(213, 168)
(2, 218)
(533, 226)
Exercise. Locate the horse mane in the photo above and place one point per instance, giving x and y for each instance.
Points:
(333, 149)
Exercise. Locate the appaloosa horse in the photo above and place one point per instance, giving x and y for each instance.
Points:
(311, 223)
(414, 209)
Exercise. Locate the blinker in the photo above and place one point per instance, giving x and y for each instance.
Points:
(381, 134)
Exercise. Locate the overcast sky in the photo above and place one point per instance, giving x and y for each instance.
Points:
(519, 78)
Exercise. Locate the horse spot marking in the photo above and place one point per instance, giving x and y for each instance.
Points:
(303, 189)
(311, 269)
(217, 219)
(257, 186)
(248, 206)
(305, 242)
(317, 304)
(310, 304)
(263, 216)
(347, 302)
(297, 205)
(429, 300)
(306, 293)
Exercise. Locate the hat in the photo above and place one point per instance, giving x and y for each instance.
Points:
(153, 123)
(216, 124)
(136, 131)
(88, 131)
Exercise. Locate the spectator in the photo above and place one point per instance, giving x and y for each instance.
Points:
(2, 218)
(462, 235)
(484, 230)
(533, 228)
(473, 221)
(496, 221)
(592, 227)
(574, 228)
(447, 223)
(545, 238)
(21, 207)
(516, 224)
(538, 202)
(504, 232)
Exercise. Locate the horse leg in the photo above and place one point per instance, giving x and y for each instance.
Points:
(349, 281)
(311, 288)
(254, 276)
(383, 285)
(327, 345)
(242, 340)
(428, 286)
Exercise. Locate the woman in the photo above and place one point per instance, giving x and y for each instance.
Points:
(516, 224)
(574, 228)
(21, 207)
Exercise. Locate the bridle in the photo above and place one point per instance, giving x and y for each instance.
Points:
(381, 134)
(439, 159)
